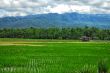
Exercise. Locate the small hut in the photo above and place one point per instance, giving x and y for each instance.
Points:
(85, 38)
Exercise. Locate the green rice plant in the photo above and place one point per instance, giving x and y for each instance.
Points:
(54, 57)
(87, 69)
(102, 67)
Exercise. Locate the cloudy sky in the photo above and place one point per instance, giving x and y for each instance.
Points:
(28, 7)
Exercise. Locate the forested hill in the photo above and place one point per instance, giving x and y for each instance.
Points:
(57, 20)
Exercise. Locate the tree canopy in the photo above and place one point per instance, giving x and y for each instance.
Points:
(56, 33)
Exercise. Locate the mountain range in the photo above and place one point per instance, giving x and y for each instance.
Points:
(57, 20)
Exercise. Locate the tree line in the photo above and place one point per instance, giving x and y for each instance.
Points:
(56, 33)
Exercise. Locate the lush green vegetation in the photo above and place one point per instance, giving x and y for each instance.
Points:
(52, 56)
(56, 33)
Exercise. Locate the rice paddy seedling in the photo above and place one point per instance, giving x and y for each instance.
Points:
(53, 57)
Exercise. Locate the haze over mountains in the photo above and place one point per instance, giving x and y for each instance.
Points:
(57, 20)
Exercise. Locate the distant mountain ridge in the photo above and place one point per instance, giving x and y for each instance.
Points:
(57, 20)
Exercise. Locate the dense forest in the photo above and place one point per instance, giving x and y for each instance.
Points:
(56, 33)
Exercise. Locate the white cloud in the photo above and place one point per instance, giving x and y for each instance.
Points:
(59, 9)
(69, 8)
(27, 7)
(81, 9)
